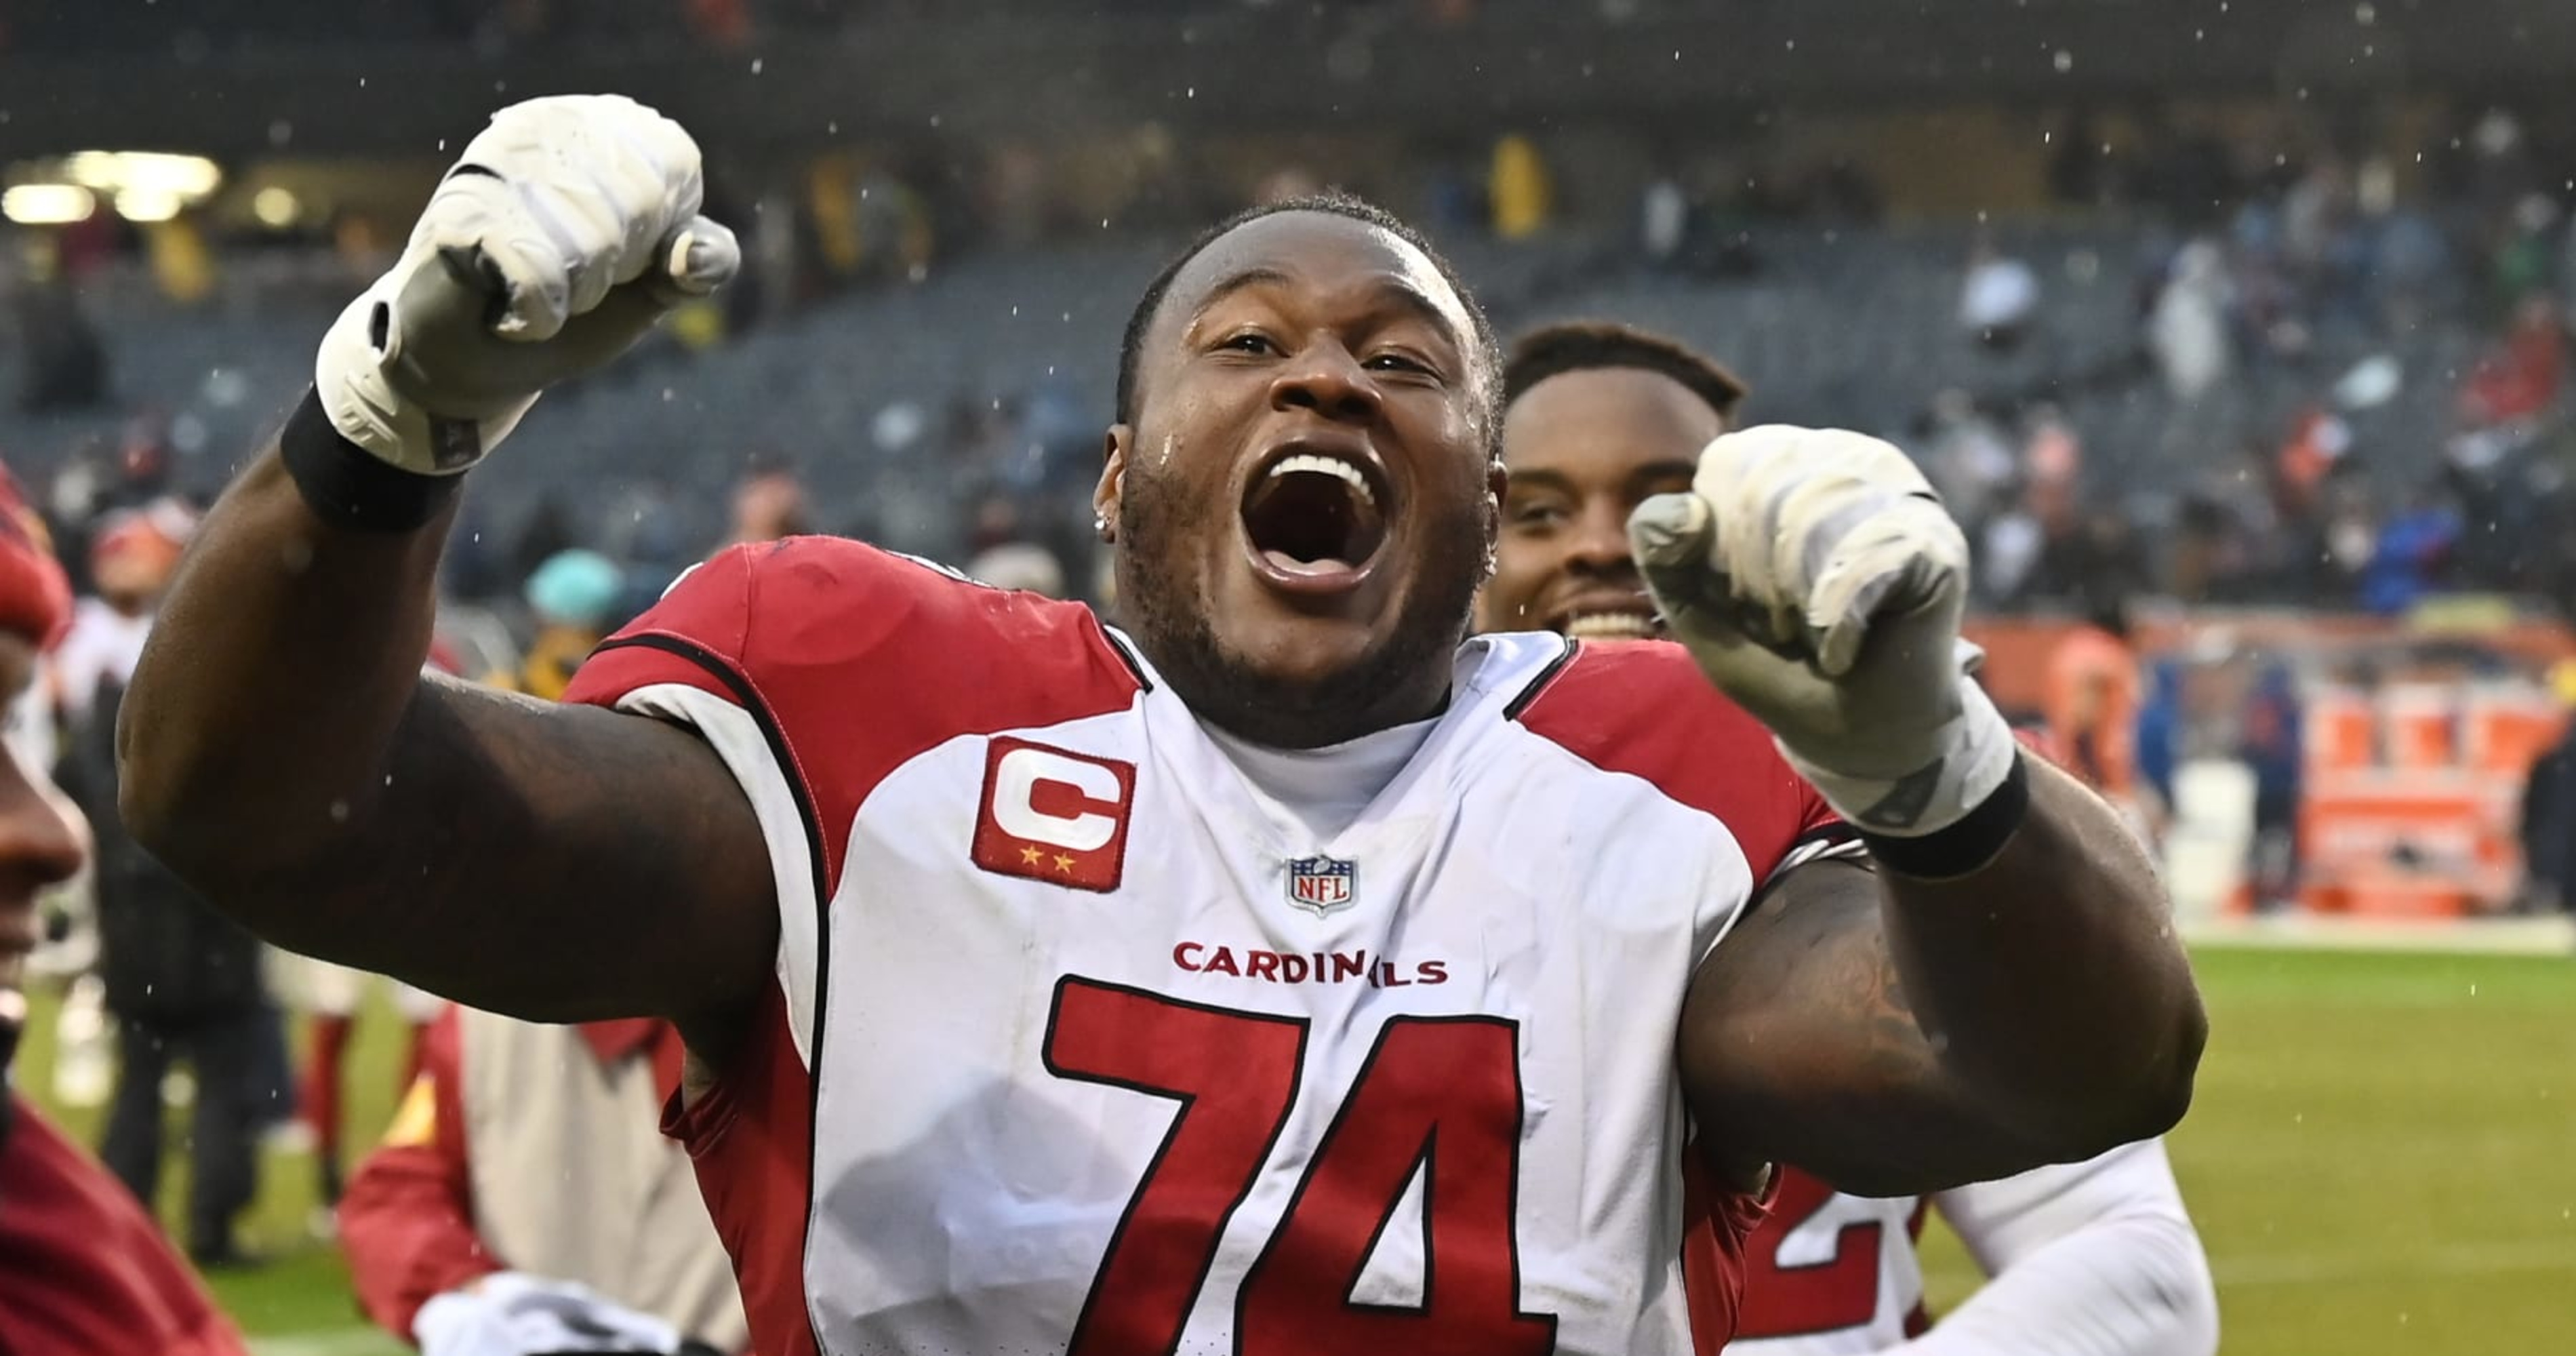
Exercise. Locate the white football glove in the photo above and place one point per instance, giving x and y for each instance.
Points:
(558, 239)
(511, 1313)
(1819, 583)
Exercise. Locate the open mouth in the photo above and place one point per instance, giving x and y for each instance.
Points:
(1314, 517)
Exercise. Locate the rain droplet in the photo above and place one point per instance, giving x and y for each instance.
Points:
(1191, 93)
(2064, 61)
(2365, 14)
(756, 64)
(339, 812)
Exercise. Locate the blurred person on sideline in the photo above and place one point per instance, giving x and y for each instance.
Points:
(2549, 810)
(2092, 695)
(525, 1200)
(180, 980)
(573, 596)
(84, 1271)
(131, 556)
(2097, 1258)
(330, 997)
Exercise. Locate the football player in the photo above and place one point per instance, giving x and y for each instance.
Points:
(84, 1270)
(2090, 1259)
(1054, 987)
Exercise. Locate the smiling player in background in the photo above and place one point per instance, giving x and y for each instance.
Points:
(2089, 1259)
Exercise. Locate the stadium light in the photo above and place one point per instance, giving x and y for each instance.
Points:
(47, 204)
(187, 177)
(275, 207)
(147, 204)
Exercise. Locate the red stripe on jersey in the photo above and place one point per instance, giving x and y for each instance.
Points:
(1918, 1320)
(1642, 707)
(1716, 1222)
(751, 1139)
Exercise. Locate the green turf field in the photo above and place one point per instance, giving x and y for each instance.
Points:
(2382, 1160)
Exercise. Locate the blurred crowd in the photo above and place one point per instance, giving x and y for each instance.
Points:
(2315, 285)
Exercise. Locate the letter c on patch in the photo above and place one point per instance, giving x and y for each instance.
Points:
(1017, 781)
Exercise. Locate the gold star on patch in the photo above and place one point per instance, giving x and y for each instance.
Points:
(1031, 856)
(1063, 864)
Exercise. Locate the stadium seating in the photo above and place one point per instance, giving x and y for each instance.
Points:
(1844, 326)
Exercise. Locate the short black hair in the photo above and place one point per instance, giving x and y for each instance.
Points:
(1488, 355)
(1591, 345)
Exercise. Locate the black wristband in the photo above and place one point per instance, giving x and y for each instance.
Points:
(350, 488)
(1964, 847)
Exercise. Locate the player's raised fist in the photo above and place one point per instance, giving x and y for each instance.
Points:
(561, 235)
(1819, 582)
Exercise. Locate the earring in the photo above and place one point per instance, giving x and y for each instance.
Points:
(1100, 527)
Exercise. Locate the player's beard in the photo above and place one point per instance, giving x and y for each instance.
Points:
(1172, 621)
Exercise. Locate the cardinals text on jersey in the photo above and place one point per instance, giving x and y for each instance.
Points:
(1077, 1046)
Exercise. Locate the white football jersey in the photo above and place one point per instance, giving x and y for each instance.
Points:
(1078, 1044)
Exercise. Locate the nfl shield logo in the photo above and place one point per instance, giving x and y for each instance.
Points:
(1322, 885)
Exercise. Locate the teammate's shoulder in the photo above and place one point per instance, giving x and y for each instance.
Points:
(1642, 708)
(1612, 691)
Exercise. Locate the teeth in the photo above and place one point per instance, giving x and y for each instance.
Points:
(1610, 626)
(1331, 466)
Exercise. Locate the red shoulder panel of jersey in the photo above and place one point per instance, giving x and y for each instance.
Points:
(1642, 707)
(856, 660)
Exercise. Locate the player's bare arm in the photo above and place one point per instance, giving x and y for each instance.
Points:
(281, 748)
(1807, 995)
(2018, 996)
